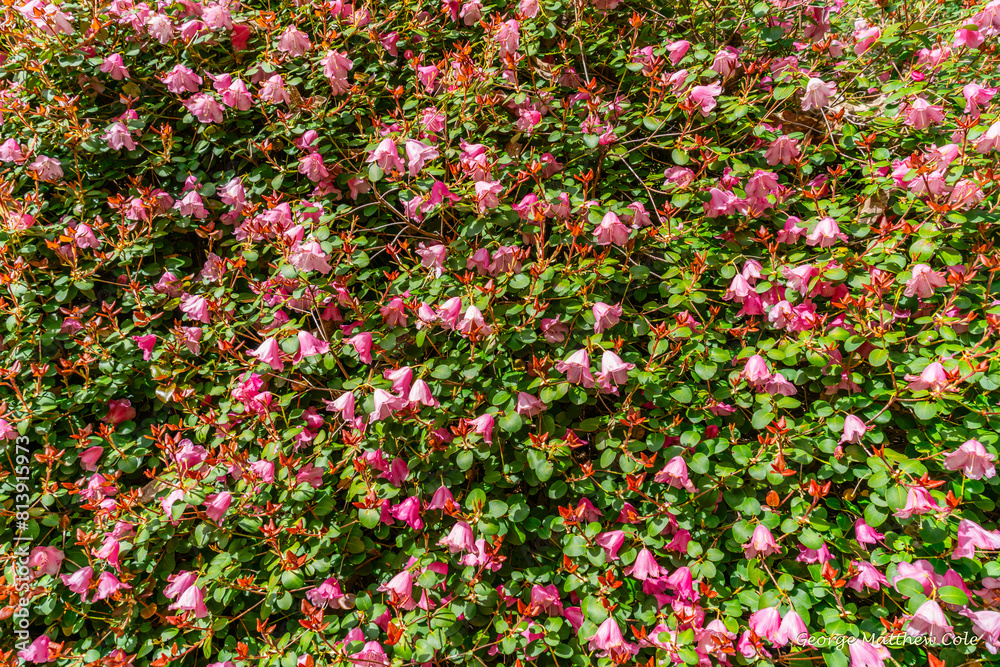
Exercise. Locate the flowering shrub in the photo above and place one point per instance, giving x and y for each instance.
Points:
(461, 333)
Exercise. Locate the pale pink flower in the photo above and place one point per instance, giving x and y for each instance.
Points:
(825, 233)
(923, 281)
(294, 42)
(704, 97)
(761, 543)
(854, 430)
(918, 501)
(114, 67)
(528, 405)
(973, 459)
(929, 620)
(817, 94)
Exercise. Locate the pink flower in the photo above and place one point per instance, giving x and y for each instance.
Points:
(327, 592)
(417, 154)
(678, 50)
(10, 151)
(362, 344)
(611, 542)
(986, 625)
(528, 405)
(675, 474)
(274, 90)
(46, 169)
(784, 150)
(866, 38)
(107, 585)
(868, 577)
(922, 114)
(605, 316)
(854, 430)
(459, 539)
(79, 581)
(294, 42)
(401, 588)
(38, 651)
(817, 94)
(192, 599)
(114, 66)
(918, 501)
(269, 353)
(309, 256)
(433, 257)
(420, 394)
(487, 195)
(147, 344)
(179, 583)
(205, 108)
(989, 140)
(386, 156)
(864, 654)
(181, 80)
(408, 511)
(929, 620)
(119, 411)
(726, 61)
(865, 534)
(704, 97)
(609, 640)
(577, 368)
(923, 281)
(973, 459)
(509, 37)
(311, 475)
(645, 567)
(825, 233)
(336, 66)
(483, 425)
(310, 346)
(975, 95)
(118, 136)
(972, 536)
(761, 543)
(47, 560)
(755, 371)
(766, 622)
(932, 378)
(613, 370)
(385, 404)
(611, 230)
(217, 504)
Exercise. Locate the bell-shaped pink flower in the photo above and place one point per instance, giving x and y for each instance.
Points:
(766, 622)
(217, 504)
(38, 651)
(107, 585)
(441, 499)
(46, 560)
(865, 534)
(791, 631)
(528, 405)
(973, 459)
(577, 368)
(972, 536)
(817, 94)
(605, 316)
(192, 599)
(114, 67)
(868, 577)
(761, 543)
(918, 501)
(611, 542)
(675, 474)
(923, 282)
(420, 394)
(79, 581)
(865, 654)
(929, 620)
(645, 567)
(362, 344)
(483, 425)
(459, 539)
(854, 430)
(933, 378)
(269, 352)
(609, 641)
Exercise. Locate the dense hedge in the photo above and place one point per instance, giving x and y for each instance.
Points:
(459, 333)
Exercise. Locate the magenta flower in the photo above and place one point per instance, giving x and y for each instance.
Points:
(309, 346)
(611, 542)
(119, 410)
(704, 97)
(605, 316)
(864, 654)
(609, 641)
(401, 588)
(107, 585)
(854, 430)
(868, 577)
(611, 230)
(269, 352)
(483, 425)
(784, 150)
(675, 474)
(922, 114)
(195, 307)
(817, 94)
(420, 394)
(362, 344)
(766, 622)
(441, 500)
(192, 599)
(865, 534)
(933, 378)
(38, 651)
(418, 154)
